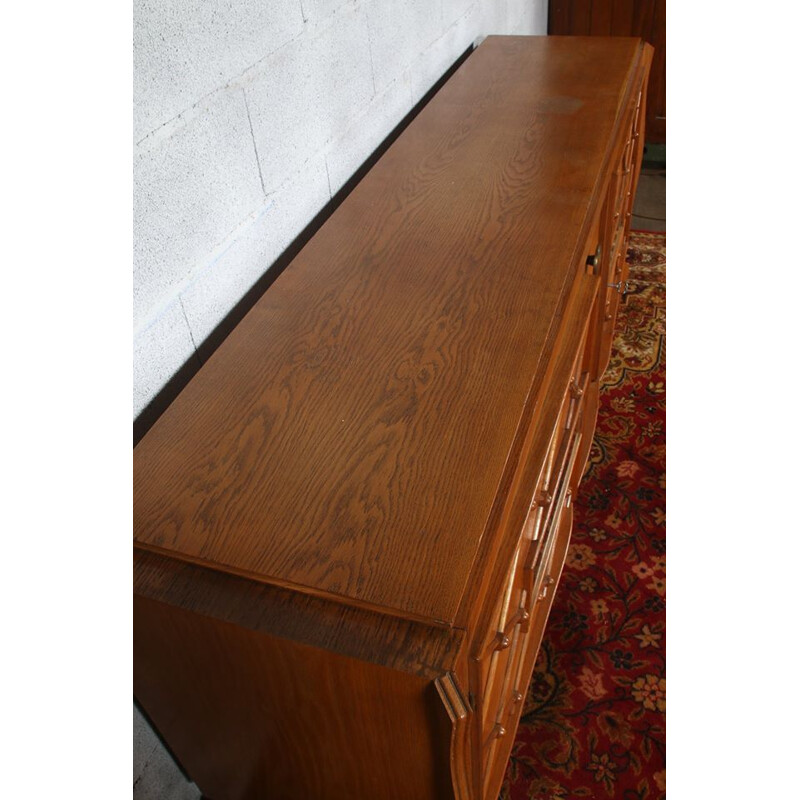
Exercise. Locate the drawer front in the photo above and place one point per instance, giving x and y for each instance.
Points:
(540, 551)
(506, 659)
(530, 579)
(529, 591)
(617, 217)
(623, 185)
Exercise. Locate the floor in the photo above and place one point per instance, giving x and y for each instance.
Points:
(650, 204)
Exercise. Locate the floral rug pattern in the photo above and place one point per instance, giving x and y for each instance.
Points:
(594, 720)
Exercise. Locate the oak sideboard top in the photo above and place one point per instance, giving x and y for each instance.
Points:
(348, 439)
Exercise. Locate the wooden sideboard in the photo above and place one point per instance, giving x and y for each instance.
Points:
(350, 524)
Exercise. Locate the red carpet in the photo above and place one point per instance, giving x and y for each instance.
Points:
(594, 720)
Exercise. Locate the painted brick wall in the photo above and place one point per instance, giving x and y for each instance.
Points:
(248, 117)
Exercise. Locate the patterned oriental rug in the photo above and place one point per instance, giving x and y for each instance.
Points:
(594, 720)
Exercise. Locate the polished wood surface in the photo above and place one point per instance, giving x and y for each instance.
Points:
(350, 525)
(361, 458)
(642, 18)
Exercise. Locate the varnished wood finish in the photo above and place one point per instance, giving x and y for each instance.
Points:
(259, 711)
(364, 635)
(641, 18)
(397, 350)
(350, 524)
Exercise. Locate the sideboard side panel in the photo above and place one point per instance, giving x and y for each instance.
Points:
(254, 716)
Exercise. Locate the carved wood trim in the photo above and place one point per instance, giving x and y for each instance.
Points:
(460, 713)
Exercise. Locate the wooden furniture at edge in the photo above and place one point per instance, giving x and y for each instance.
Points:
(350, 524)
(646, 19)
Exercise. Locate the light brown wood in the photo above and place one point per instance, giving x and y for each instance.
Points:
(397, 351)
(349, 526)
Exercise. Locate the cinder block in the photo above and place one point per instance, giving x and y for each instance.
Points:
(495, 17)
(433, 62)
(350, 151)
(159, 350)
(534, 20)
(399, 32)
(189, 193)
(541, 18)
(529, 18)
(453, 10)
(223, 283)
(314, 10)
(185, 49)
(161, 779)
(305, 95)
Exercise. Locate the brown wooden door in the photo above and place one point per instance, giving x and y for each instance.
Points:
(643, 18)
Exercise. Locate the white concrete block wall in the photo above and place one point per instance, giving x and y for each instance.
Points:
(248, 117)
(185, 50)
(304, 96)
(399, 31)
(383, 112)
(459, 32)
(159, 349)
(191, 190)
(225, 281)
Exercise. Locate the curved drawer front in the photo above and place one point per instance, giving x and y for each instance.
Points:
(530, 576)
(617, 211)
(529, 592)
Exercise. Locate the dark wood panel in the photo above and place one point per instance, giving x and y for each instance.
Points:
(349, 437)
(643, 16)
(655, 125)
(602, 14)
(559, 15)
(622, 17)
(580, 18)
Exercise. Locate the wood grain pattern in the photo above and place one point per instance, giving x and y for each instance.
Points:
(640, 18)
(525, 460)
(258, 716)
(405, 645)
(366, 452)
(339, 586)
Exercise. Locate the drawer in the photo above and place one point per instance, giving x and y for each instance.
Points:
(540, 550)
(516, 610)
(528, 576)
(505, 663)
(527, 599)
(504, 694)
(624, 178)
